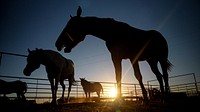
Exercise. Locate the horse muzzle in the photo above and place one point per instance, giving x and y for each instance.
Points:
(26, 72)
(59, 49)
(67, 50)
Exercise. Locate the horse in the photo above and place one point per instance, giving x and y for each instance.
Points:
(123, 42)
(89, 87)
(58, 68)
(18, 87)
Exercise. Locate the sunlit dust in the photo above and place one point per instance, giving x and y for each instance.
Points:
(112, 92)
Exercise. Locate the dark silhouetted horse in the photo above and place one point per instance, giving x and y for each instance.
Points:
(17, 87)
(57, 67)
(90, 87)
(123, 42)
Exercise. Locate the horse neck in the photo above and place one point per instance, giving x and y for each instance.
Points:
(86, 82)
(45, 58)
(97, 27)
(106, 28)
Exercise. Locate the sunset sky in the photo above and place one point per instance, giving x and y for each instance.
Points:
(38, 23)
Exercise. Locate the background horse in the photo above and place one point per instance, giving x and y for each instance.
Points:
(17, 87)
(90, 87)
(123, 42)
(57, 67)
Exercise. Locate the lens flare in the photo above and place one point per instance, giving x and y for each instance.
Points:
(112, 92)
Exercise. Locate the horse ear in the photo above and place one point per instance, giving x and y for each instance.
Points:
(79, 11)
(70, 16)
(29, 50)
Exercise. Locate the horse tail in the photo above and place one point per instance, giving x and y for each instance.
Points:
(74, 82)
(169, 65)
(102, 89)
(70, 63)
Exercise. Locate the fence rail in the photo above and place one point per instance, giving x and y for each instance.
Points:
(39, 89)
(180, 83)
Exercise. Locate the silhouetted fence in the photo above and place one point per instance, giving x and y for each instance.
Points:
(39, 88)
(181, 83)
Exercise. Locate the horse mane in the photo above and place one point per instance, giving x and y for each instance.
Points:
(108, 22)
(85, 81)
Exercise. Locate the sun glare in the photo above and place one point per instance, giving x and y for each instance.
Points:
(112, 92)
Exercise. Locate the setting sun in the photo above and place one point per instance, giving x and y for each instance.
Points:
(112, 92)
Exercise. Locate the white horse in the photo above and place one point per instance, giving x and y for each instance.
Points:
(57, 67)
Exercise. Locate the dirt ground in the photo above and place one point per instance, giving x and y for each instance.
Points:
(178, 105)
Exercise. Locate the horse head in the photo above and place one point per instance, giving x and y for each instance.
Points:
(82, 79)
(33, 61)
(72, 34)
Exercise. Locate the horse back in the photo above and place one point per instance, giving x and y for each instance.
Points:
(68, 69)
(93, 87)
(70, 66)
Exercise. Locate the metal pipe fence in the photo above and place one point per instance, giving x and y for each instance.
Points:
(39, 88)
(40, 91)
(180, 83)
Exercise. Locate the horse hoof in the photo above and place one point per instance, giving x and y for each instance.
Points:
(53, 103)
(61, 101)
(145, 101)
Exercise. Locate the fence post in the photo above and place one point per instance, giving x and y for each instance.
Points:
(36, 90)
(0, 58)
(77, 91)
(197, 91)
(135, 90)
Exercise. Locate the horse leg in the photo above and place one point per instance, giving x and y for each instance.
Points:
(98, 94)
(118, 70)
(56, 88)
(23, 96)
(69, 88)
(63, 87)
(86, 94)
(18, 95)
(154, 68)
(53, 91)
(164, 68)
(139, 78)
